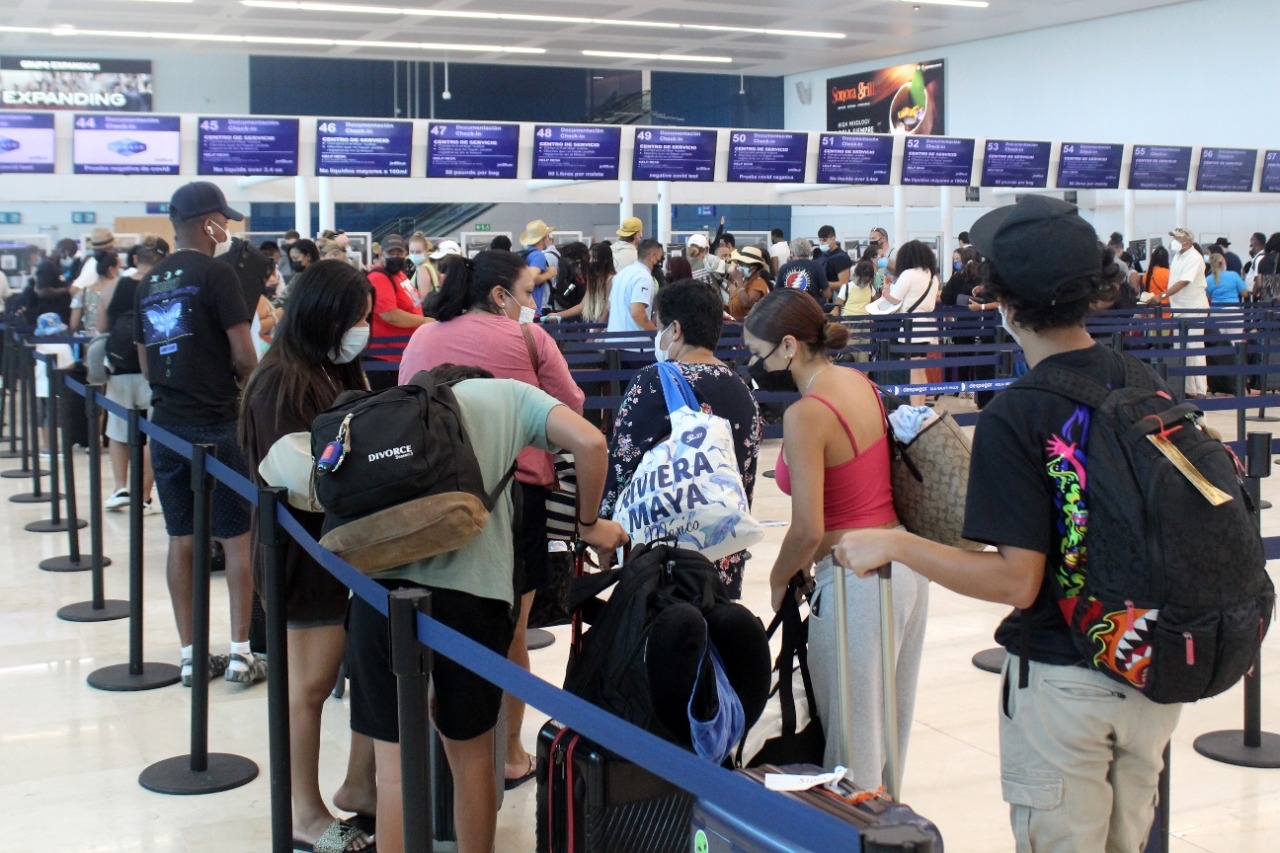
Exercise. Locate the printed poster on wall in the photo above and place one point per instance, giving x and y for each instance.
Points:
(902, 99)
(102, 85)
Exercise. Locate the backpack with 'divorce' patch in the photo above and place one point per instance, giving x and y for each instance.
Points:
(1167, 591)
(397, 475)
(640, 658)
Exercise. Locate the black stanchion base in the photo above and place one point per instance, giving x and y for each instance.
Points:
(175, 776)
(1265, 504)
(1262, 418)
(20, 474)
(536, 638)
(83, 611)
(66, 564)
(1228, 747)
(30, 498)
(990, 660)
(9, 454)
(772, 475)
(118, 677)
(48, 525)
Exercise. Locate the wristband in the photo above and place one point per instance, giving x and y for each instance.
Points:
(582, 523)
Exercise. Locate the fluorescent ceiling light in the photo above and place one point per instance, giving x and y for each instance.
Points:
(280, 40)
(616, 54)
(972, 4)
(304, 6)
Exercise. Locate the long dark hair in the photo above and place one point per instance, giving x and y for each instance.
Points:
(469, 282)
(325, 300)
(915, 255)
(1159, 258)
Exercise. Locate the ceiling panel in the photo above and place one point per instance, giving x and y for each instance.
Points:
(873, 28)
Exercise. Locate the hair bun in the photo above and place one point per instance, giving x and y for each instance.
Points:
(835, 336)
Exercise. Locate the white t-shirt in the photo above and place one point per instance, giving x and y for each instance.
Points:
(1188, 265)
(631, 285)
(910, 286)
(781, 252)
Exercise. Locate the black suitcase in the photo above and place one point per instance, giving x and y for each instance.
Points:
(592, 801)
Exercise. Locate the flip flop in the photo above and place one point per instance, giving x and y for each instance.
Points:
(511, 784)
(365, 822)
(336, 838)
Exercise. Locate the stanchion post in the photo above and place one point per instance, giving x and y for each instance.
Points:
(11, 384)
(30, 433)
(1242, 387)
(53, 377)
(199, 772)
(273, 543)
(411, 662)
(98, 609)
(135, 675)
(1250, 747)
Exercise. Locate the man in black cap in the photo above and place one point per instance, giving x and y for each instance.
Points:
(192, 330)
(1080, 753)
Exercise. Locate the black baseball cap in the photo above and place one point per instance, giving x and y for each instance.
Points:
(200, 198)
(1037, 246)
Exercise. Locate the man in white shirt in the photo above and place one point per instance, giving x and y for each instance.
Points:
(1188, 290)
(624, 248)
(631, 296)
(779, 251)
(100, 240)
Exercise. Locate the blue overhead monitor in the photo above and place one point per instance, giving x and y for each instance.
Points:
(26, 142)
(364, 148)
(576, 152)
(126, 144)
(1090, 166)
(1228, 170)
(248, 146)
(472, 150)
(855, 158)
(670, 154)
(1007, 163)
(939, 161)
(772, 156)
(1160, 167)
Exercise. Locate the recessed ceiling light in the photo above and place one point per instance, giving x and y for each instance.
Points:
(617, 54)
(972, 4)
(68, 30)
(348, 8)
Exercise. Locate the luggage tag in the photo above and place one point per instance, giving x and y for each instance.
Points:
(1211, 493)
(796, 782)
(336, 451)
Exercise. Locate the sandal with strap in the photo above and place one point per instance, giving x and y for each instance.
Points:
(337, 838)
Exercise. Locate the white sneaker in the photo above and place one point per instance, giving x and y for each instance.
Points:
(119, 500)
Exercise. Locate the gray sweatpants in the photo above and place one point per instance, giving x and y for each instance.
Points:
(865, 702)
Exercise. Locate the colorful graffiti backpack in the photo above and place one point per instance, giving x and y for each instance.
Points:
(1168, 591)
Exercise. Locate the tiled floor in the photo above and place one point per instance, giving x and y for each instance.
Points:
(70, 755)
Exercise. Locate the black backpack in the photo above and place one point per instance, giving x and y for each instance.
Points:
(252, 269)
(1168, 590)
(634, 664)
(122, 352)
(397, 475)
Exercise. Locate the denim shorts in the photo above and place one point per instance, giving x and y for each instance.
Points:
(231, 512)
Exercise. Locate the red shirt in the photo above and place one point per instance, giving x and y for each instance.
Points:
(390, 292)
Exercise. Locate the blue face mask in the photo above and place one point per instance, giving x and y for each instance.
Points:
(883, 263)
(956, 265)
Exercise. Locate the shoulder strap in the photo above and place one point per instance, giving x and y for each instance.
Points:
(679, 394)
(532, 348)
(932, 279)
(848, 432)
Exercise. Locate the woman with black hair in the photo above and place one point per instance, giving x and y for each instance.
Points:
(1268, 264)
(485, 314)
(689, 319)
(914, 291)
(1080, 753)
(302, 254)
(313, 359)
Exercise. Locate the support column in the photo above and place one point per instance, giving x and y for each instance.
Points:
(899, 215)
(664, 212)
(327, 207)
(1180, 208)
(946, 215)
(624, 200)
(1130, 218)
(302, 206)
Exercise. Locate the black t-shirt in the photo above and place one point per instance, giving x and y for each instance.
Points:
(122, 300)
(1233, 262)
(1024, 488)
(836, 261)
(804, 274)
(184, 308)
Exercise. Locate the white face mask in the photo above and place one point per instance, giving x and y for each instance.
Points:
(527, 315)
(659, 351)
(1004, 322)
(219, 247)
(353, 343)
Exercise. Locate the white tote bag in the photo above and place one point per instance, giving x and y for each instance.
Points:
(687, 487)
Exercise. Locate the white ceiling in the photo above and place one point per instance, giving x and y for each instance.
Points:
(872, 29)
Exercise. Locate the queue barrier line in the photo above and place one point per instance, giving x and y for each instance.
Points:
(731, 792)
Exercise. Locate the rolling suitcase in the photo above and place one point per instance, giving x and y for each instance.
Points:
(593, 801)
(883, 823)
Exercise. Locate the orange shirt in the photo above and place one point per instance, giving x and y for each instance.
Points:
(1157, 282)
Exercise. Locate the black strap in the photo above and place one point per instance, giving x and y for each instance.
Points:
(491, 500)
(922, 296)
(1024, 657)
(1083, 388)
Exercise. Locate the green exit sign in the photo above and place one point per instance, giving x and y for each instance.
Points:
(482, 226)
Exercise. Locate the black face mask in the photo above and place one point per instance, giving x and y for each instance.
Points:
(771, 380)
(393, 265)
(296, 266)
